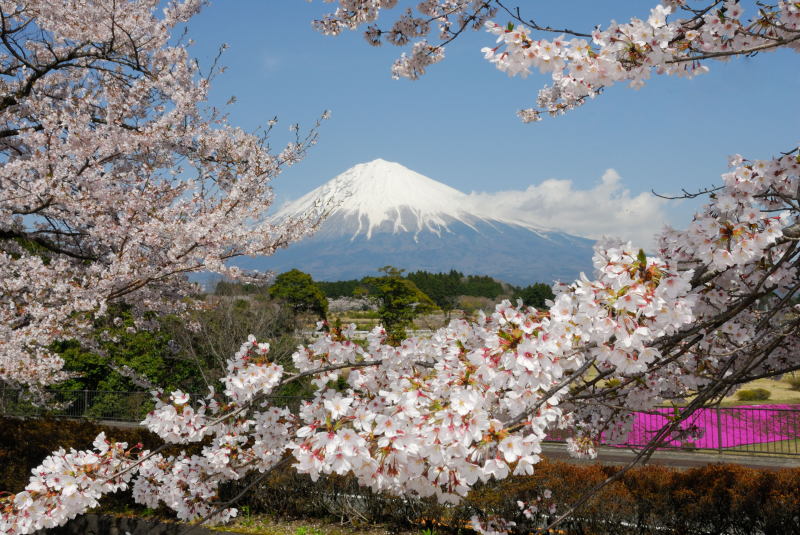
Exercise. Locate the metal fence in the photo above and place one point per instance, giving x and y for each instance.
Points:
(773, 429)
(91, 404)
(748, 429)
(769, 430)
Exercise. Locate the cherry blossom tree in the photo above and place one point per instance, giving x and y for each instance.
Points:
(116, 178)
(713, 308)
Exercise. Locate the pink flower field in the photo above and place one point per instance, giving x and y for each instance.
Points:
(726, 427)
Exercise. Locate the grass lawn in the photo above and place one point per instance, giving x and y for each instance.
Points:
(780, 393)
(778, 447)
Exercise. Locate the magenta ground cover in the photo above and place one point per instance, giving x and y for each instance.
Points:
(726, 427)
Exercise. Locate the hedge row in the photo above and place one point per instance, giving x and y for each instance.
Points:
(716, 499)
(25, 443)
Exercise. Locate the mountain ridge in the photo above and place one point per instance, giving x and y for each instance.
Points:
(375, 189)
(381, 213)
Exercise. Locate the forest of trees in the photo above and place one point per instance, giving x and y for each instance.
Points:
(444, 289)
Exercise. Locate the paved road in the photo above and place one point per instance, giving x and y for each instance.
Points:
(675, 458)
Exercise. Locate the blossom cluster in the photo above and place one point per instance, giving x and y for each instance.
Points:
(250, 372)
(581, 64)
(177, 421)
(117, 177)
(67, 484)
(632, 51)
(244, 435)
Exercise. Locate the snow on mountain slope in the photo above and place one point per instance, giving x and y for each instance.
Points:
(382, 213)
(388, 196)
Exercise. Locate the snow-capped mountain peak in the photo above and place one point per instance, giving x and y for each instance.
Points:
(390, 197)
(380, 213)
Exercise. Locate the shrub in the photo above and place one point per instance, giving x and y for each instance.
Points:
(794, 382)
(728, 499)
(755, 394)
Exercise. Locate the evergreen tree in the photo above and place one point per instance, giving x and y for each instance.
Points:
(300, 291)
(401, 301)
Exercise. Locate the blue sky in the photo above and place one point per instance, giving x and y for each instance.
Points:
(458, 124)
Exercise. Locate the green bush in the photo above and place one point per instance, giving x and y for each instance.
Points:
(755, 394)
(794, 382)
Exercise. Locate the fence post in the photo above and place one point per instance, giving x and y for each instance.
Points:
(85, 402)
(719, 430)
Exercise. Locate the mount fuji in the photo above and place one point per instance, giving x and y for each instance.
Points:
(382, 213)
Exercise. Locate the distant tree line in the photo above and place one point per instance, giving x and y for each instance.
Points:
(346, 288)
(444, 289)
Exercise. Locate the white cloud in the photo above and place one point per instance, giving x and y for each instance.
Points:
(607, 209)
